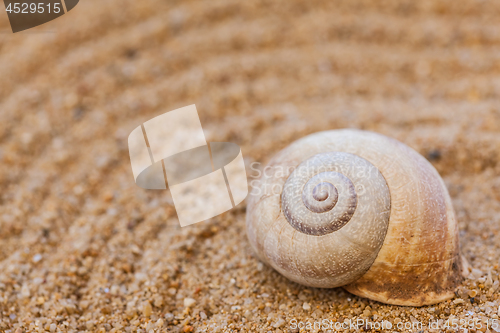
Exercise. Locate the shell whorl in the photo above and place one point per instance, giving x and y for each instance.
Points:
(333, 239)
(321, 194)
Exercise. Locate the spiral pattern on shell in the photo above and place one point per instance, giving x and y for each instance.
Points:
(340, 204)
(321, 195)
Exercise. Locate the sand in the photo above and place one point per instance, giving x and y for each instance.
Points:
(82, 248)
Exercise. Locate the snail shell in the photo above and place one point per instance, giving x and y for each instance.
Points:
(360, 210)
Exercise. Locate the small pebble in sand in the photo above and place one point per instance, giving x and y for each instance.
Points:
(189, 302)
(158, 301)
(90, 325)
(475, 274)
(279, 323)
(147, 309)
(306, 306)
(37, 257)
(25, 291)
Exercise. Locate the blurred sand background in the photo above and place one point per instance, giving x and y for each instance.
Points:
(82, 248)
